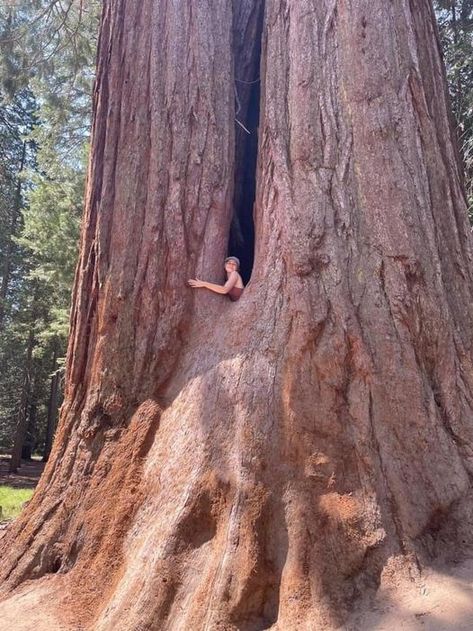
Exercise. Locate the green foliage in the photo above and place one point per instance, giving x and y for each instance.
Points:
(53, 40)
(46, 72)
(17, 118)
(12, 500)
(50, 234)
(455, 19)
(10, 385)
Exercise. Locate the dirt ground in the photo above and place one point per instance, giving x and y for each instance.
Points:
(440, 600)
(27, 476)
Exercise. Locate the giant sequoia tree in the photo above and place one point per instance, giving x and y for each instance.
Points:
(258, 465)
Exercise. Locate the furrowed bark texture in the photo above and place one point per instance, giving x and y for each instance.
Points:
(260, 464)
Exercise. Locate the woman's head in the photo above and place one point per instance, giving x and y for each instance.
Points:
(232, 264)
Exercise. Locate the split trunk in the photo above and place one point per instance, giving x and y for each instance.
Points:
(259, 464)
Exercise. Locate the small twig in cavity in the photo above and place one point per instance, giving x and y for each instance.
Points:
(237, 99)
(243, 127)
(248, 82)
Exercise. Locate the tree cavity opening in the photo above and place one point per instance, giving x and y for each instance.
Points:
(247, 41)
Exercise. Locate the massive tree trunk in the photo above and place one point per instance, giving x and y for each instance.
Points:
(260, 464)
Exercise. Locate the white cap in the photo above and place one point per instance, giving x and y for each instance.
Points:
(233, 258)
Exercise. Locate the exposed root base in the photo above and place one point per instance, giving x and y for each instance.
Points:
(440, 599)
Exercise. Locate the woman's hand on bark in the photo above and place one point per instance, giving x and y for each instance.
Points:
(195, 282)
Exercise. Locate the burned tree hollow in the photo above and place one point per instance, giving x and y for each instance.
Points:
(247, 41)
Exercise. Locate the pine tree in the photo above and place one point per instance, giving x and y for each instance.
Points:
(47, 56)
(455, 19)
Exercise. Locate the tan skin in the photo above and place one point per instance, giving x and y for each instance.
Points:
(233, 280)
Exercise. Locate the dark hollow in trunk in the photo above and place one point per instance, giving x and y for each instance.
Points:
(247, 43)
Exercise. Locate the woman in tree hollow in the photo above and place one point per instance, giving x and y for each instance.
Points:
(234, 285)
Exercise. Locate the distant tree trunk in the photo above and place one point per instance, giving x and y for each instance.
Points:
(244, 465)
(458, 98)
(31, 437)
(52, 406)
(28, 442)
(24, 403)
(15, 215)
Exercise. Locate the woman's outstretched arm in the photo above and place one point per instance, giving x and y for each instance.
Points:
(218, 289)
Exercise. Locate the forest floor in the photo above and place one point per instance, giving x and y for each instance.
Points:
(27, 476)
(16, 488)
(440, 599)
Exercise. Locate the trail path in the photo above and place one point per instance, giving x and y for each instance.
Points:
(33, 608)
(27, 476)
(442, 600)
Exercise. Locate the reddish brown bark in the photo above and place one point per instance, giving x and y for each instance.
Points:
(260, 464)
